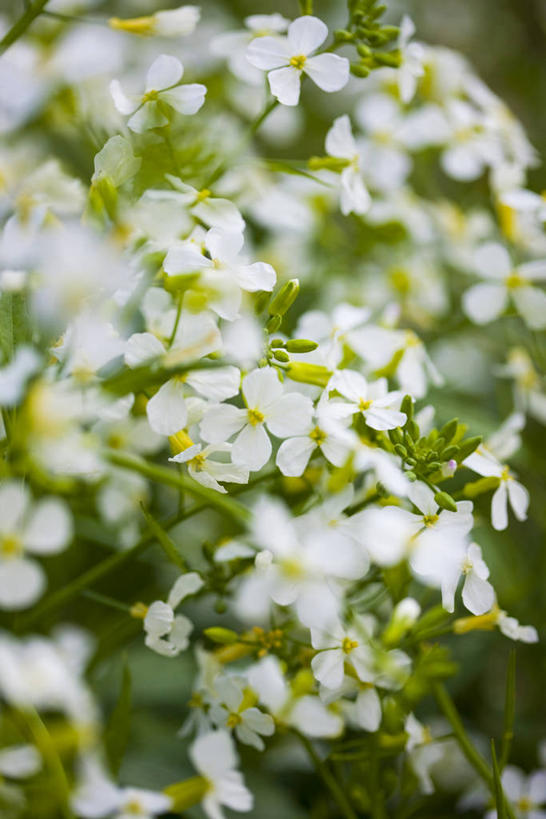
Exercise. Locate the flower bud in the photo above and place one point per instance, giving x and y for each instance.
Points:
(284, 298)
(301, 345)
(187, 793)
(308, 373)
(225, 636)
(281, 355)
(445, 501)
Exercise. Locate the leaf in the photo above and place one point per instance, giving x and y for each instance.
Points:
(116, 734)
(14, 323)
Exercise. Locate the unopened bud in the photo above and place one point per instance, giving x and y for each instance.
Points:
(467, 447)
(448, 430)
(225, 636)
(301, 345)
(284, 298)
(273, 324)
(445, 501)
(308, 373)
(281, 355)
(359, 70)
(276, 342)
(187, 793)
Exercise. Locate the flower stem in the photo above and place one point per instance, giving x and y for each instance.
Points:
(18, 29)
(160, 474)
(329, 780)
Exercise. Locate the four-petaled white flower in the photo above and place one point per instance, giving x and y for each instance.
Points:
(487, 301)
(287, 58)
(223, 272)
(340, 143)
(42, 529)
(162, 92)
(213, 756)
(526, 794)
(378, 406)
(167, 633)
(268, 405)
(336, 645)
(208, 471)
(509, 489)
(235, 709)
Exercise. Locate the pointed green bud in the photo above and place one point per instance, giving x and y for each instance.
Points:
(343, 36)
(411, 461)
(329, 163)
(393, 715)
(448, 430)
(467, 447)
(301, 345)
(401, 450)
(308, 373)
(359, 70)
(439, 444)
(396, 435)
(284, 298)
(281, 355)
(413, 429)
(407, 407)
(449, 452)
(364, 50)
(434, 465)
(411, 476)
(445, 501)
(390, 58)
(273, 324)
(225, 636)
(187, 793)
(277, 342)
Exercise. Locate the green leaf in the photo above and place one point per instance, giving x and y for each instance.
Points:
(116, 734)
(14, 323)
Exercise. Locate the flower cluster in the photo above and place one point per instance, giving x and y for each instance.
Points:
(240, 361)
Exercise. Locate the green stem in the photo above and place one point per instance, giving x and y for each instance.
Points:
(329, 780)
(19, 28)
(479, 764)
(51, 757)
(106, 601)
(160, 474)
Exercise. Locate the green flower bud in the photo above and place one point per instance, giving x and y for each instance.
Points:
(308, 373)
(284, 298)
(187, 793)
(225, 636)
(467, 447)
(448, 430)
(359, 70)
(401, 450)
(277, 342)
(396, 435)
(273, 324)
(301, 345)
(450, 452)
(281, 355)
(445, 501)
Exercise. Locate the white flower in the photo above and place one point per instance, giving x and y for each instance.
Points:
(167, 633)
(284, 414)
(96, 796)
(42, 529)
(422, 751)
(286, 58)
(233, 44)
(383, 154)
(235, 709)
(377, 406)
(484, 463)
(208, 471)
(307, 712)
(487, 301)
(511, 628)
(19, 761)
(471, 146)
(526, 794)
(211, 210)
(340, 143)
(412, 55)
(337, 645)
(14, 375)
(213, 755)
(162, 92)
(223, 273)
(328, 435)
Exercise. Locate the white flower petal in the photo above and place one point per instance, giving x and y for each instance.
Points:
(163, 72)
(531, 304)
(492, 261)
(186, 99)
(499, 511)
(221, 422)
(285, 84)
(268, 53)
(306, 34)
(329, 71)
(519, 499)
(257, 276)
(293, 456)
(485, 302)
(142, 347)
(261, 387)
(290, 415)
(478, 594)
(339, 139)
(166, 410)
(50, 528)
(252, 447)
(21, 583)
(187, 584)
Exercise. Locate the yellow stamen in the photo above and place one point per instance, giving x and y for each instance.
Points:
(298, 62)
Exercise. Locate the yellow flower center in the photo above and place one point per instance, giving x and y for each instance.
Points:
(10, 546)
(505, 474)
(202, 195)
(198, 462)
(139, 611)
(524, 804)
(255, 417)
(298, 62)
(430, 520)
(363, 404)
(514, 280)
(318, 436)
(134, 807)
(292, 568)
(348, 645)
(233, 720)
(150, 96)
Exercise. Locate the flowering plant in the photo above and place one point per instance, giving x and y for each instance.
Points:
(228, 382)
